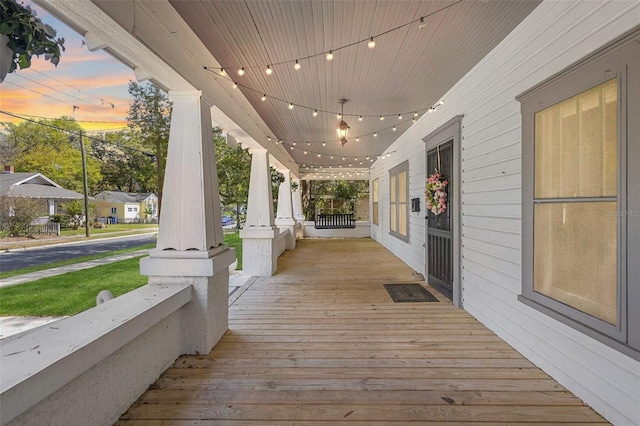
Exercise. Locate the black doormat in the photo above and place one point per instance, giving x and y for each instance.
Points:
(401, 293)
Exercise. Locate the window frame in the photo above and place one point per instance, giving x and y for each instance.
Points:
(395, 171)
(114, 210)
(375, 201)
(611, 61)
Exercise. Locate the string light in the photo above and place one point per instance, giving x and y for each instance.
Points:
(263, 98)
(399, 116)
(330, 56)
(375, 135)
(268, 70)
(235, 85)
(315, 113)
(360, 118)
(381, 117)
(357, 139)
(371, 43)
(393, 128)
(422, 24)
(415, 114)
(290, 106)
(241, 71)
(339, 116)
(297, 65)
(222, 71)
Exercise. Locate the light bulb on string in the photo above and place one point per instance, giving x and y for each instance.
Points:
(241, 71)
(415, 114)
(393, 128)
(315, 113)
(371, 43)
(222, 72)
(290, 106)
(324, 144)
(339, 116)
(268, 71)
(357, 139)
(308, 143)
(305, 153)
(381, 117)
(375, 135)
(263, 98)
(360, 118)
(297, 65)
(235, 85)
(294, 143)
(399, 116)
(422, 24)
(330, 56)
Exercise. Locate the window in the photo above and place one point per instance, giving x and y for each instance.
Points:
(398, 201)
(374, 197)
(129, 209)
(114, 210)
(580, 201)
(135, 209)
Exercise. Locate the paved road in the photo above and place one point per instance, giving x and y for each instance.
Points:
(42, 255)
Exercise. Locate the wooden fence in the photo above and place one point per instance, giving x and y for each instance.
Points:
(51, 228)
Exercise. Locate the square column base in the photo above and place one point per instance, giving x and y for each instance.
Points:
(206, 318)
(259, 251)
(290, 239)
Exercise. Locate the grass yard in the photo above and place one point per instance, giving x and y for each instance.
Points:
(74, 292)
(119, 228)
(71, 293)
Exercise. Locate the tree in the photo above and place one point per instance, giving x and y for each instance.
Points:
(52, 147)
(343, 192)
(16, 214)
(150, 114)
(234, 170)
(124, 164)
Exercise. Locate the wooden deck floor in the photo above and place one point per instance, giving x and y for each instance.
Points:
(321, 342)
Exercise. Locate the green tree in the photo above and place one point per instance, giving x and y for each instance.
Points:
(52, 147)
(124, 164)
(150, 115)
(17, 213)
(234, 169)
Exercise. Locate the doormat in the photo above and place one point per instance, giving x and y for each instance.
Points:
(401, 293)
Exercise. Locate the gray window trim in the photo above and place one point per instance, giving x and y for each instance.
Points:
(402, 167)
(373, 202)
(606, 63)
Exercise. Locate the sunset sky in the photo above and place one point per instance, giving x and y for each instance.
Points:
(91, 81)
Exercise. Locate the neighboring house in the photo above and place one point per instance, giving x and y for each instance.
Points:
(36, 186)
(127, 207)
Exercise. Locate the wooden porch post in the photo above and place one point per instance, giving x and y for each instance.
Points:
(259, 251)
(190, 246)
(285, 218)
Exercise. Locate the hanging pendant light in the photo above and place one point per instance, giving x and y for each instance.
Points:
(343, 127)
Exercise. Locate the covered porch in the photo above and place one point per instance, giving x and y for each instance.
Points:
(323, 342)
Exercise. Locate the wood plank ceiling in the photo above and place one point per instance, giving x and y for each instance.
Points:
(409, 69)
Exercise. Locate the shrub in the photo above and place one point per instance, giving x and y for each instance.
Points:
(17, 213)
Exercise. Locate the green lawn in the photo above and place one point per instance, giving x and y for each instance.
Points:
(119, 228)
(75, 292)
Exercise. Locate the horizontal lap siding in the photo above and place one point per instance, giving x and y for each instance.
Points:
(554, 36)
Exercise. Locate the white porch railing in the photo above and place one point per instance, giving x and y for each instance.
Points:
(89, 368)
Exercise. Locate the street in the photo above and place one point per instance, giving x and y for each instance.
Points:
(42, 255)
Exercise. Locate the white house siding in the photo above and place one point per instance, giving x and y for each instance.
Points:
(555, 35)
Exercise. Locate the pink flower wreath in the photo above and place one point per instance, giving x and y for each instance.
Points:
(436, 193)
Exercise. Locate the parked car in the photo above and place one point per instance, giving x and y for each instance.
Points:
(227, 221)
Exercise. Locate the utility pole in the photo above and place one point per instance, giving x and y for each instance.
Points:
(84, 182)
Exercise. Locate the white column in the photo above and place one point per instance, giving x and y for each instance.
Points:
(298, 213)
(259, 235)
(190, 246)
(285, 220)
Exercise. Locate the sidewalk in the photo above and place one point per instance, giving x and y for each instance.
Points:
(13, 325)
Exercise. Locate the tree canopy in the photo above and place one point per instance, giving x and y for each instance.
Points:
(150, 115)
(42, 148)
(234, 169)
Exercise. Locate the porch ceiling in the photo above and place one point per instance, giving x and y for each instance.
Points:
(408, 70)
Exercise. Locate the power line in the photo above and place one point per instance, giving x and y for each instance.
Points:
(71, 132)
(55, 90)
(41, 94)
(74, 88)
(79, 121)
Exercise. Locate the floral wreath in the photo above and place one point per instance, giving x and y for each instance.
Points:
(436, 193)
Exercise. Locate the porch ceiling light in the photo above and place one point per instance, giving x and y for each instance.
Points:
(343, 127)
